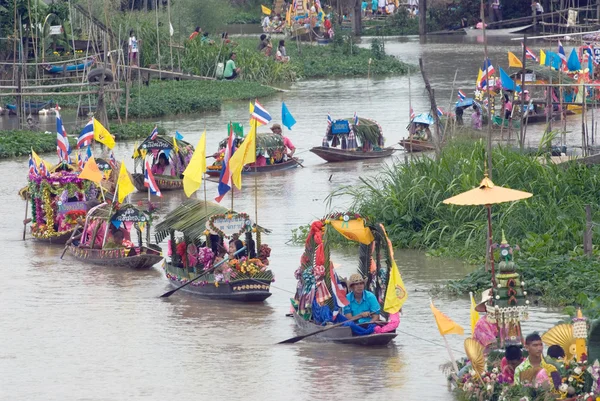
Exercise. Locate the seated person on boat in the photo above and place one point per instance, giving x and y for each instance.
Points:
(163, 166)
(361, 301)
(536, 363)
(235, 245)
(420, 132)
(289, 146)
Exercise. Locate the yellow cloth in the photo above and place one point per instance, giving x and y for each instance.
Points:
(175, 146)
(245, 154)
(91, 171)
(513, 61)
(354, 230)
(136, 152)
(102, 135)
(265, 10)
(192, 176)
(542, 57)
(474, 313)
(37, 160)
(124, 184)
(395, 293)
(445, 324)
(479, 76)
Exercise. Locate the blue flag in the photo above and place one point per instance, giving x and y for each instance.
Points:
(286, 117)
(573, 64)
(507, 82)
(178, 136)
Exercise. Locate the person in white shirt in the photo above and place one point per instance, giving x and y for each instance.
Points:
(133, 49)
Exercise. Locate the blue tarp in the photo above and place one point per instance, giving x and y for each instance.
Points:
(423, 118)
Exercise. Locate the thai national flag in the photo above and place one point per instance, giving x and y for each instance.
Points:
(62, 143)
(80, 161)
(412, 114)
(149, 181)
(440, 112)
(329, 120)
(225, 183)
(43, 170)
(112, 160)
(86, 135)
(530, 55)
(339, 293)
(561, 53)
(32, 167)
(260, 114)
(589, 49)
(356, 122)
(461, 95)
(487, 69)
(154, 133)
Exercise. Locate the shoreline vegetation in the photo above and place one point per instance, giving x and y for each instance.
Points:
(548, 227)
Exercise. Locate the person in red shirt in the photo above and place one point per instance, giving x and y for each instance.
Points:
(327, 24)
(195, 33)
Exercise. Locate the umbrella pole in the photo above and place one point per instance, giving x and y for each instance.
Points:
(490, 253)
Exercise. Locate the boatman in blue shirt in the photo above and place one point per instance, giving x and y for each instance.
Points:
(362, 302)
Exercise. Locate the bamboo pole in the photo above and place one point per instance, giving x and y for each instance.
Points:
(52, 94)
(170, 36)
(489, 126)
(522, 100)
(450, 105)
(157, 42)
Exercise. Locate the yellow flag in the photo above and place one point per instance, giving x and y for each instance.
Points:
(288, 20)
(479, 76)
(136, 152)
(102, 135)
(354, 230)
(395, 293)
(265, 10)
(250, 108)
(445, 324)
(91, 171)
(175, 147)
(513, 61)
(542, 57)
(245, 154)
(192, 176)
(124, 184)
(474, 313)
(37, 160)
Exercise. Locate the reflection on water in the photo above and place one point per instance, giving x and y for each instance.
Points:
(82, 332)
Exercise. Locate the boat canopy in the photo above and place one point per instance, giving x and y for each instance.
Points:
(153, 147)
(267, 143)
(366, 131)
(423, 118)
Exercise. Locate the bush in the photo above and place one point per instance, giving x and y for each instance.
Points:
(19, 143)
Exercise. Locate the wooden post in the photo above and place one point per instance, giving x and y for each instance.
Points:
(534, 15)
(522, 102)
(489, 125)
(422, 17)
(436, 137)
(587, 234)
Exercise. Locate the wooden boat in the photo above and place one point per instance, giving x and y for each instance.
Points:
(268, 145)
(118, 252)
(416, 145)
(319, 288)
(342, 155)
(147, 257)
(150, 150)
(29, 107)
(472, 31)
(204, 226)
(269, 168)
(342, 335)
(56, 69)
(358, 138)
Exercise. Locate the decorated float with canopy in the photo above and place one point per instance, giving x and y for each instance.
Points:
(204, 252)
(106, 238)
(57, 198)
(269, 147)
(321, 292)
(353, 139)
(167, 157)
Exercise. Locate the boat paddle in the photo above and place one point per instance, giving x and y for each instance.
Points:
(169, 293)
(297, 162)
(25, 220)
(333, 326)
(70, 240)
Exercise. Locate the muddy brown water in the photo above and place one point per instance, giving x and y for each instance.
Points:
(72, 331)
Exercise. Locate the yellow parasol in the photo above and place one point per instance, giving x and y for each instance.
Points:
(487, 194)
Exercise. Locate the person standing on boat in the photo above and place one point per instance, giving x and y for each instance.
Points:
(289, 146)
(361, 301)
(133, 49)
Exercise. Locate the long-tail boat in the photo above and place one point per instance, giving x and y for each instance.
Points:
(319, 290)
(177, 152)
(204, 226)
(358, 140)
(416, 141)
(101, 245)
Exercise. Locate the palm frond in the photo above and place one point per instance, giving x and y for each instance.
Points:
(189, 218)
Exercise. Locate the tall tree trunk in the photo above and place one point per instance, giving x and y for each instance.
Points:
(357, 18)
(422, 17)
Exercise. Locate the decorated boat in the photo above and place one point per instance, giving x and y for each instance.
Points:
(57, 198)
(320, 294)
(204, 226)
(419, 134)
(106, 238)
(358, 139)
(176, 153)
(268, 145)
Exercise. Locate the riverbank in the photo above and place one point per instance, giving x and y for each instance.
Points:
(407, 198)
(19, 143)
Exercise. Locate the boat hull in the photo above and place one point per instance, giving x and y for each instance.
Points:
(415, 145)
(60, 238)
(116, 257)
(286, 165)
(471, 31)
(29, 107)
(342, 155)
(164, 183)
(240, 290)
(342, 335)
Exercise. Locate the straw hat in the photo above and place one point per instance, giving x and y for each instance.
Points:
(485, 296)
(274, 126)
(355, 279)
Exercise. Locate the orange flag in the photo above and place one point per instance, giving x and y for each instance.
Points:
(445, 324)
(91, 171)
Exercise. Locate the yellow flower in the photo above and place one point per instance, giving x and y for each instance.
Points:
(216, 283)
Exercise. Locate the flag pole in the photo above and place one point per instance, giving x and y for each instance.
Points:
(454, 365)
(255, 181)
(409, 115)
(111, 207)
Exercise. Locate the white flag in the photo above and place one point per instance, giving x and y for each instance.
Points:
(171, 30)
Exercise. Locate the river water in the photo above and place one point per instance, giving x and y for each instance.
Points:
(72, 331)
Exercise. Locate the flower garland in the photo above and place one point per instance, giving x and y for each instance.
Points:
(346, 216)
(228, 216)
